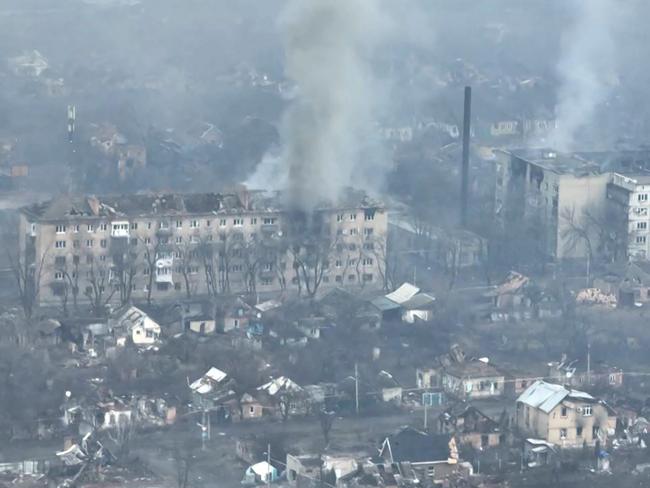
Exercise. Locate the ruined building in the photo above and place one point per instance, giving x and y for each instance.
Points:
(168, 246)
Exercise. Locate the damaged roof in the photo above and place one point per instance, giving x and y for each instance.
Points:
(546, 396)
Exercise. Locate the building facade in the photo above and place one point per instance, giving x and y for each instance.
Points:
(167, 246)
(628, 207)
(544, 191)
(567, 418)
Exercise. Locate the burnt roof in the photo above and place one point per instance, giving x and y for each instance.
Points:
(414, 446)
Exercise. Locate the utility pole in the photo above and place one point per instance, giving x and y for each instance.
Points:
(356, 387)
(268, 468)
(589, 363)
(464, 184)
(426, 409)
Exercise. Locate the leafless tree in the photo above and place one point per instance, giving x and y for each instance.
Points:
(121, 435)
(577, 230)
(184, 455)
(125, 268)
(188, 255)
(252, 255)
(208, 255)
(98, 279)
(27, 277)
(386, 263)
(150, 255)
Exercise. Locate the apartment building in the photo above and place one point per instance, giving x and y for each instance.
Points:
(568, 418)
(628, 209)
(165, 246)
(540, 187)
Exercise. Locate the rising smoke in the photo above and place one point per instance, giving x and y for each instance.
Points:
(326, 129)
(586, 70)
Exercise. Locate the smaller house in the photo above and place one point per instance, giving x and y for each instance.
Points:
(471, 426)
(285, 397)
(261, 472)
(470, 378)
(574, 373)
(421, 307)
(538, 452)
(251, 407)
(238, 315)
(201, 324)
(434, 457)
(510, 300)
(212, 389)
(390, 389)
(137, 325)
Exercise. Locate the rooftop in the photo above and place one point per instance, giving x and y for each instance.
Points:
(473, 368)
(414, 446)
(170, 204)
(560, 163)
(546, 396)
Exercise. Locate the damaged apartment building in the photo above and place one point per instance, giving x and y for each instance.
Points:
(168, 246)
(575, 203)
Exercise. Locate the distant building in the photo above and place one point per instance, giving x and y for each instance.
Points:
(540, 188)
(163, 246)
(628, 209)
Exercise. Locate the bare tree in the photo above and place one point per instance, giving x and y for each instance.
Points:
(98, 279)
(208, 254)
(188, 255)
(125, 268)
(184, 458)
(578, 230)
(252, 255)
(150, 255)
(27, 277)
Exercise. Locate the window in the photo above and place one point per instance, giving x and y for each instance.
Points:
(193, 269)
(178, 254)
(147, 240)
(177, 286)
(75, 228)
(179, 224)
(253, 220)
(353, 217)
(367, 261)
(194, 224)
(338, 279)
(179, 239)
(352, 247)
(640, 239)
(134, 242)
(251, 409)
(339, 218)
(367, 277)
(148, 225)
(269, 221)
(60, 229)
(369, 215)
(578, 431)
(338, 263)
(75, 260)
(586, 411)
(208, 223)
(103, 227)
(58, 275)
(145, 271)
(59, 261)
(369, 246)
(368, 231)
(59, 244)
(90, 228)
(76, 244)
(163, 225)
(352, 262)
(595, 432)
(134, 226)
(103, 243)
(354, 232)
(178, 269)
(563, 434)
(238, 222)
(267, 267)
(563, 412)
(641, 225)
(235, 268)
(102, 258)
(612, 378)
(222, 222)
(351, 277)
(194, 239)
(267, 281)
(642, 197)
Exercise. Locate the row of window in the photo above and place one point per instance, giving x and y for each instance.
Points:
(369, 215)
(237, 222)
(76, 244)
(367, 231)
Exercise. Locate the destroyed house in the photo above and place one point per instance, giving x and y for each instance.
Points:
(472, 427)
(212, 389)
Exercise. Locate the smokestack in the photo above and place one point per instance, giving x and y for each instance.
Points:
(464, 184)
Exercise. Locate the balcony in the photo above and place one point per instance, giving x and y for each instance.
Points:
(164, 231)
(120, 229)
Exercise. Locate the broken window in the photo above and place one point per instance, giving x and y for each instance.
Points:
(563, 434)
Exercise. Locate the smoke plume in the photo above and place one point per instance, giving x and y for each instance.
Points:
(328, 44)
(586, 69)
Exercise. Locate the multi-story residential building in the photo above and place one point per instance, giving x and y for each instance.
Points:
(547, 191)
(628, 210)
(568, 418)
(165, 246)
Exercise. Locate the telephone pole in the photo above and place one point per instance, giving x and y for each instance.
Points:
(356, 387)
(268, 468)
